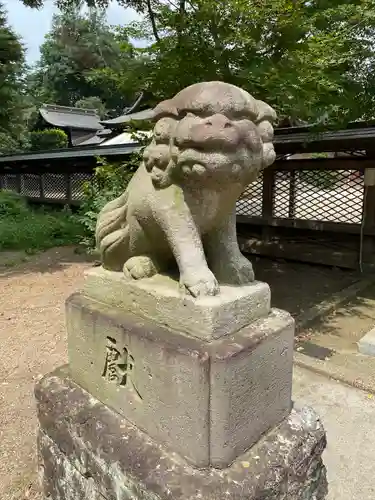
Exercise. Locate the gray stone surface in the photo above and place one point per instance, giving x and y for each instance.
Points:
(89, 452)
(159, 299)
(209, 401)
(210, 141)
(366, 344)
(348, 415)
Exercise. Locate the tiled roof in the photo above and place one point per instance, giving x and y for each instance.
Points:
(146, 114)
(66, 117)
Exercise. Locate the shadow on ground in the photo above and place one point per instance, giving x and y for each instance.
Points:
(297, 287)
(342, 328)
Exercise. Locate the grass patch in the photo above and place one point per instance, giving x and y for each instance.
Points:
(25, 228)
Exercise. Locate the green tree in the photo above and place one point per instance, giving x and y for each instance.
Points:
(93, 102)
(309, 59)
(12, 102)
(102, 4)
(301, 57)
(77, 44)
(128, 77)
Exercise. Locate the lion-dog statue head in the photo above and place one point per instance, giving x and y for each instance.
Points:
(213, 131)
(209, 142)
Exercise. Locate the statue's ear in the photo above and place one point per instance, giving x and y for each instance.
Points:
(265, 112)
(162, 179)
(165, 108)
(159, 165)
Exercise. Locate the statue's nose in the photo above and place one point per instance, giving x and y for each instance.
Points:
(218, 121)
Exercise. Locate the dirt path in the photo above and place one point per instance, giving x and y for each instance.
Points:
(33, 339)
(32, 334)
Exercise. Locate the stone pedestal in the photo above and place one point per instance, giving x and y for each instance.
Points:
(159, 299)
(89, 452)
(146, 410)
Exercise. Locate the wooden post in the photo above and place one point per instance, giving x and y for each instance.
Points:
(19, 183)
(41, 187)
(292, 195)
(369, 208)
(68, 189)
(268, 193)
(268, 196)
(367, 243)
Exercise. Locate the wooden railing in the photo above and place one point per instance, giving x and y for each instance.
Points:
(321, 194)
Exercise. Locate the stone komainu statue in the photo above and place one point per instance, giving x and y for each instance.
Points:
(210, 141)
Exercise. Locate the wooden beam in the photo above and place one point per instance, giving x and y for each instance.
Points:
(336, 227)
(300, 252)
(268, 192)
(324, 164)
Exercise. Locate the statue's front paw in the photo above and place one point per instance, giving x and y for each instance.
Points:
(200, 283)
(237, 272)
(140, 267)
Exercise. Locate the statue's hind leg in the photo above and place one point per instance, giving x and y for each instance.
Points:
(115, 249)
(147, 259)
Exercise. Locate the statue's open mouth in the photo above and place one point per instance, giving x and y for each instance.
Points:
(191, 161)
(190, 157)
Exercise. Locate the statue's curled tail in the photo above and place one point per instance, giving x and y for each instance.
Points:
(112, 233)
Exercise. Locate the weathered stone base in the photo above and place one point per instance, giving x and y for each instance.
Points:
(160, 300)
(89, 452)
(208, 401)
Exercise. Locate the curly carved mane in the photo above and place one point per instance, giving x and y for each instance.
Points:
(161, 154)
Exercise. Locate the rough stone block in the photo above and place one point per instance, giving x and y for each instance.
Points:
(366, 345)
(208, 401)
(89, 452)
(159, 299)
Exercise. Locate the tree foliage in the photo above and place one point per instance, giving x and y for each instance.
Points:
(12, 100)
(8, 144)
(309, 59)
(43, 140)
(93, 102)
(78, 44)
(139, 5)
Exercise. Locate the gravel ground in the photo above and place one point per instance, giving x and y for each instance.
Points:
(33, 340)
(348, 417)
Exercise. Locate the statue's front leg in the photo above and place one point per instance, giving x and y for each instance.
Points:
(224, 255)
(178, 226)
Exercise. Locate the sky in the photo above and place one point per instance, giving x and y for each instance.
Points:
(32, 25)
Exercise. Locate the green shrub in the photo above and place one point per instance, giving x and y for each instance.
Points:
(53, 138)
(322, 179)
(28, 229)
(109, 182)
(12, 204)
(8, 145)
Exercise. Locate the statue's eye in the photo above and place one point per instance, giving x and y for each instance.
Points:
(187, 114)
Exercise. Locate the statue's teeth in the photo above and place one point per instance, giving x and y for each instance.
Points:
(198, 169)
